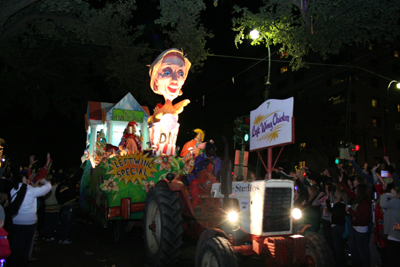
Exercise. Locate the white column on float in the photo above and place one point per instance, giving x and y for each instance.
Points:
(109, 132)
(93, 137)
(145, 131)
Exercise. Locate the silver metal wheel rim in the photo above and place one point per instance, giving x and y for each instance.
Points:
(153, 238)
(209, 260)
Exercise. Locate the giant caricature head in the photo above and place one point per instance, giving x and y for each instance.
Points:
(168, 73)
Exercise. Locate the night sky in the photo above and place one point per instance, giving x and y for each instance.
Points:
(215, 100)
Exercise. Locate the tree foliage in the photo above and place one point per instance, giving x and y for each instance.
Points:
(325, 26)
(60, 54)
(51, 52)
(180, 20)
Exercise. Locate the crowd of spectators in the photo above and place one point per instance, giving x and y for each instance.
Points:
(35, 204)
(350, 207)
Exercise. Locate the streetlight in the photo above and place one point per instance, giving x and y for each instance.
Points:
(255, 34)
(386, 112)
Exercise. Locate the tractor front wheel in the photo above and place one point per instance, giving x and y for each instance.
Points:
(318, 253)
(216, 251)
(162, 226)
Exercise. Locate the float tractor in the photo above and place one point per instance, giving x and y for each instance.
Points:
(232, 221)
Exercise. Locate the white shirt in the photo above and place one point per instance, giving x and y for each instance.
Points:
(27, 212)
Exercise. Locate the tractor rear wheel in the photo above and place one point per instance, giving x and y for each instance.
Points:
(318, 253)
(162, 226)
(216, 251)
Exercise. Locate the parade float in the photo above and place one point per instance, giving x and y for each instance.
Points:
(133, 173)
(128, 150)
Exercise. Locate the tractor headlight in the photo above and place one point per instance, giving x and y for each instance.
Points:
(233, 216)
(296, 213)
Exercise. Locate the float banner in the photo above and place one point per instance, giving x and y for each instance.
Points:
(271, 124)
(127, 115)
(133, 168)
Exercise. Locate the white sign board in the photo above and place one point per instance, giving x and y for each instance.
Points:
(271, 124)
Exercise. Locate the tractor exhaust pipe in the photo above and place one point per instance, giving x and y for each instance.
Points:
(226, 174)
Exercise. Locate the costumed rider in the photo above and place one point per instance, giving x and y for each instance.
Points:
(194, 146)
(130, 143)
(207, 166)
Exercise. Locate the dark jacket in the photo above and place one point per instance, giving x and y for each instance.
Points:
(338, 212)
(312, 215)
(361, 213)
(66, 191)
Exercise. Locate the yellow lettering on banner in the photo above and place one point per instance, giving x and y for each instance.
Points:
(132, 168)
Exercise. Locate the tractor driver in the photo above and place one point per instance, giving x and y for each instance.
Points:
(207, 166)
(203, 159)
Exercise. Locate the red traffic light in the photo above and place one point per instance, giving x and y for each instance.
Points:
(356, 148)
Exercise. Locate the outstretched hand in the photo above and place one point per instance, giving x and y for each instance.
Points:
(386, 158)
(375, 167)
(340, 177)
(48, 159)
(32, 160)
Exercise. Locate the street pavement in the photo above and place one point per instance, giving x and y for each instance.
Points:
(94, 246)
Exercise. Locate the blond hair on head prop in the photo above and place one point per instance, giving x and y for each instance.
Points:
(157, 62)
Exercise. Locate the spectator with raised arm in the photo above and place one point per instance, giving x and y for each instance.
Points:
(320, 178)
(362, 172)
(393, 172)
(312, 214)
(25, 221)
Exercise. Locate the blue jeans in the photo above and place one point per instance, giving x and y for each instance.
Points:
(337, 237)
(22, 244)
(50, 224)
(355, 258)
(66, 219)
(362, 245)
(327, 230)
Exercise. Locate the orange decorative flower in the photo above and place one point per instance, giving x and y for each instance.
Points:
(165, 162)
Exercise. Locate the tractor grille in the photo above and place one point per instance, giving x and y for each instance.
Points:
(277, 209)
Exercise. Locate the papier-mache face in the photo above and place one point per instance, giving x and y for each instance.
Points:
(168, 73)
